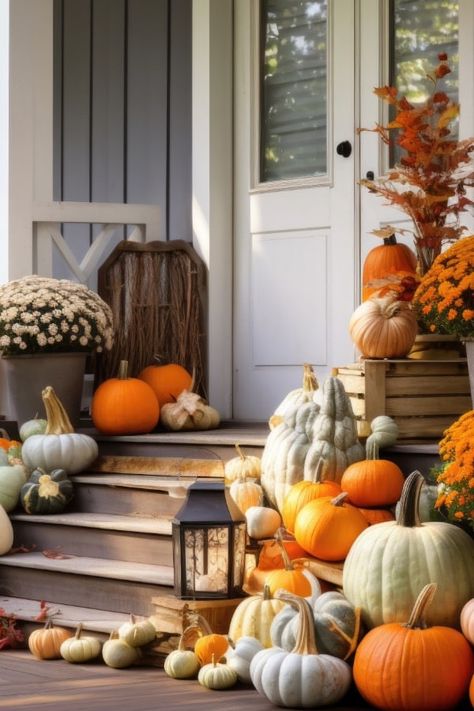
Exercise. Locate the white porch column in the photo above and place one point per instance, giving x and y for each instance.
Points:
(212, 183)
(26, 126)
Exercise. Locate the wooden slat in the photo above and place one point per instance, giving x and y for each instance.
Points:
(417, 368)
(429, 384)
(421, 406)
(375, 378)
(424, 427)
(169, 466)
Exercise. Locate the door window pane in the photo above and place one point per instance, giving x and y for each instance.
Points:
(420, 30)
(293, 112)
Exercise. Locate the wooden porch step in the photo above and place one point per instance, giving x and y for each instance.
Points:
(99, 535)
(27, 610)
(115, 585)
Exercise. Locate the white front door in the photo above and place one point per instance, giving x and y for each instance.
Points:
(295, 251)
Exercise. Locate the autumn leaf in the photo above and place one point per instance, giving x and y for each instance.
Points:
(448, 115)
(55, 554)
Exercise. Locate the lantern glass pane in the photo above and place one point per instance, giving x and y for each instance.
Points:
(207, 560)
(239, 555)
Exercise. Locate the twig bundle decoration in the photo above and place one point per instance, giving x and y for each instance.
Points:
(155, 291)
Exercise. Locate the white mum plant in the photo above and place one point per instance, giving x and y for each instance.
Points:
(46, 315)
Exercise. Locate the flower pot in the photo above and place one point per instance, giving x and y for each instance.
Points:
(25, 376)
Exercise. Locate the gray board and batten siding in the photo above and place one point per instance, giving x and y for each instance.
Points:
(122, 111)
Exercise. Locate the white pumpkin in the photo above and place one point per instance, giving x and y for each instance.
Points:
(59, 447)
(262, 522)
(11, 481)
(6, 532)
(118, 654)
(137, 633)
(296, 398)
(241, 654)
(80, 648)
(245, 466)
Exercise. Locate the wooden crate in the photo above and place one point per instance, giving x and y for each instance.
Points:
(424, 397)
(173, 615)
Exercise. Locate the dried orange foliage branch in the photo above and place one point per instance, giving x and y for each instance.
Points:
(429, 183)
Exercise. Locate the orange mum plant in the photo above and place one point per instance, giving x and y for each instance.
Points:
(444, 300)
(456, 478)
(429, 183)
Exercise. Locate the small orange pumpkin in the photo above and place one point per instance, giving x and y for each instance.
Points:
(373, 482)
(208, 644)
(292, 578)
(385, 259)
(45, 643)
(303, 492)
(403, 667)
(167, 381)
(124, 405)
(271, 556)
(326, 528)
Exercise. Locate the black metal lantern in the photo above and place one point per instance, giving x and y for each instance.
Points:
(209, 538)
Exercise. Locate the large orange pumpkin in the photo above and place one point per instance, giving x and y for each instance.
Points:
(408, 667)
(326, 528)
(124, 405)
(373, 482)
(303, 492)
(167, 381)
(385, 259)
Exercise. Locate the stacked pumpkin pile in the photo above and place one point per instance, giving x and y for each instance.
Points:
(161, 394)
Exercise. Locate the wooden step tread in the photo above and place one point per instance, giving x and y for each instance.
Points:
(134, 524)
(176, 488)
(94, 567)
(65, 615)
(174, 467)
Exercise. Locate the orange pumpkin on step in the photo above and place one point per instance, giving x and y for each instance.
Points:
(167, 381)
(373, 516)
(326, 528)
(124, 405)
(385, 259)
(303, 492)
(373, 482)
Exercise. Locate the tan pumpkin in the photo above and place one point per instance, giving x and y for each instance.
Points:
(246, 493)
(189, 412)
(45, 643)
(295, 398)
(383, 328)
(80, 648)
(262, 522)
(244, 466)
(253, 617)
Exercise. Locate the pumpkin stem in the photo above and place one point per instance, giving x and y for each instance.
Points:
(423, 601)
(409, 500)
(114, 634)
(310, 383)
(339, 499)
(305, 639)
(4, 433)
(213, 660)
(239, 451)
(56, 415)
(287, 564)
(123, 370)
(391, 239)
(266, 595)
(78, 631)
(202, 624)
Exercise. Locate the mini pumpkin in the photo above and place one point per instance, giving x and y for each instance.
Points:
(383, 327)
(244, 466)
(45, 643)
(118, 654)
(388, 258)
(80, 648)
(59, 447)
(137, 632)
(46, 492)
(217, 676)
(246, 493)
(253, 617)
(12, 479)
(240, 654)
(182, 663)
(262, 521)
(124, 405)
(373, 482)
(208, 644)
(6, 532)
(189, 412)
(35, 426)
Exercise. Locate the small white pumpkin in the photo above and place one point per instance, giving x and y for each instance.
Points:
(217, 676)
(118, 654)
(6, 532)
(262, 522)
(31, 427)
(12, 479)
(59, 447)
(246, 493)
(245, 466)
(136, 634)
(182, 663)
(241, 654)
(80, 649)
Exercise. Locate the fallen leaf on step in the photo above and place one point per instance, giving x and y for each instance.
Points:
(21, 549)
(54, 553)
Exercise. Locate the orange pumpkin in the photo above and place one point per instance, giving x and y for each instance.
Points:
(124, 405)
(303, 492)
(45, 643)
(471, 691)
(208, 644)
(373, 516)
(271, 556)
(292, 578)
(387, 258)
(373, 482)
(167, 381)
(326, 528)
(408, 667)
(467, 620)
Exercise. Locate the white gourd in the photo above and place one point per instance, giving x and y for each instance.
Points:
(80, 648)
(241, 654)
(217, 676)
(137, 633)
(384, 432)
(118, 654)
(12, 479)
(262, 522)
(244, 466)
(182, 663)
(253, 617)
(297, 397)
(6, 532)
(246, 493)
(334, 434)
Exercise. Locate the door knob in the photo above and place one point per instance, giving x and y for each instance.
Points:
(344, 149)
(370, 175)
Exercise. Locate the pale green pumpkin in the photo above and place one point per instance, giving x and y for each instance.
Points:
(389, 563)
(11, 481)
